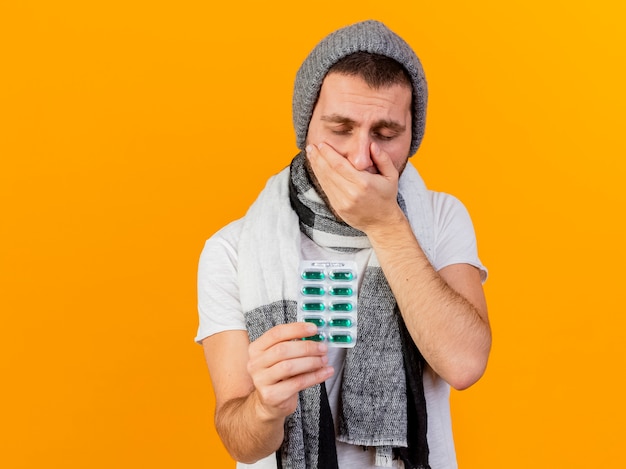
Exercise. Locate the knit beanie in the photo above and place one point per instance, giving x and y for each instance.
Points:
(367, 36)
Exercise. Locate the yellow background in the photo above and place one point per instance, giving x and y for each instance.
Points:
(131, 131)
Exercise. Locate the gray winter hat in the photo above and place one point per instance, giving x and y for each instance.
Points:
(367, 36)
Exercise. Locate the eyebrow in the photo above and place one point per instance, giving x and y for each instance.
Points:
(381, 124)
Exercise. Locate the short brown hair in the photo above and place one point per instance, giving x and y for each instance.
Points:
(377, 70)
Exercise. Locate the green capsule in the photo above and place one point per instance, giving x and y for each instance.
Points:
(340, 322)
(341, 275)
(318, 291)
(319, 322)
(315, 338)
(340, 338)
(341, 307)
(313, 275)
(341, 291)
(315, 306)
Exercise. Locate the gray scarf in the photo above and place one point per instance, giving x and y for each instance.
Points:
(382, 398)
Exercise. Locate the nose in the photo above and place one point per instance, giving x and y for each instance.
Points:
(359, 152)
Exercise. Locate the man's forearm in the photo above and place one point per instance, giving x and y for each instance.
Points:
(248, 436)
(450, 328)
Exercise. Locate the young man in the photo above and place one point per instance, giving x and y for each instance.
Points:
(359, 112)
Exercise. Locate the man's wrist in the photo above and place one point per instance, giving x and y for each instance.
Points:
(261, 411)
(389, 226)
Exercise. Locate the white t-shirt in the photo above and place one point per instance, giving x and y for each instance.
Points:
(220, 310)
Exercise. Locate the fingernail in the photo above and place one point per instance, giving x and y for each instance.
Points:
(308, 149)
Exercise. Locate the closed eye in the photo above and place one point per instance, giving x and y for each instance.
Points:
(388, 130)
(385, 137)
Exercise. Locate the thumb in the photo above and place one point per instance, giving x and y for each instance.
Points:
(382, 161)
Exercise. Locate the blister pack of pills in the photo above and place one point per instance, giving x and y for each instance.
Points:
(327, 297)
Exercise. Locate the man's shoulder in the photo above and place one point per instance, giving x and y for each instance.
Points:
(445, 203)
(228, 234)
(222, 246)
